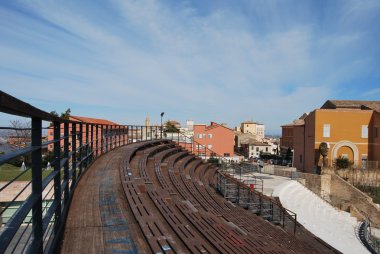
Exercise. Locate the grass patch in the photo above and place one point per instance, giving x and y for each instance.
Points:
(9, 172)
(373, 192)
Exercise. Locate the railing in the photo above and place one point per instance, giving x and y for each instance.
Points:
(194, 147)
(34, 215)
(365, 235)
(240, 193)
(244, 173)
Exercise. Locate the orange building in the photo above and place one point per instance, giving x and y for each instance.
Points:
(215, 137)
(350, 128)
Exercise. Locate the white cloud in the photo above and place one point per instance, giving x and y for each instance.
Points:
(215, 66)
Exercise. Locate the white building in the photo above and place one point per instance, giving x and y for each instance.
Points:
(255, 148)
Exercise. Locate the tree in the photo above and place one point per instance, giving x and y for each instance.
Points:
(21, 132)
(66, 114)
(289, 154)
(54, 113)
(343, 162)
(170, 126)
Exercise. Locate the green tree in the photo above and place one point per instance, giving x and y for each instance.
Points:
(54, 113)
(170, 126)
(66, 114)
(343, 162)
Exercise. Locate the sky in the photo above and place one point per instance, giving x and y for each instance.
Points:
(224, 61)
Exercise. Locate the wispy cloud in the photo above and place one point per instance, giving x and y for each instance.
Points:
(269, 61)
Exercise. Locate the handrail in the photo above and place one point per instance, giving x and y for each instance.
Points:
(262, 199)
(365, 235)
(75, 146)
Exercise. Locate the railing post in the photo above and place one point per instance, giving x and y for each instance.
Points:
(112, 142)
(37, 244)
(107, 138)
(66, 156)
(123, 135)
(132, 133)
(80, 148)
(87, 147)
(119, 135)
(57, 178)
(113, 135)
(74, 154)
(97, 141)
(101, 139)
(92, 143)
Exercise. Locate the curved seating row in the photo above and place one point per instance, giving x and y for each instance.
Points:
(171, 196)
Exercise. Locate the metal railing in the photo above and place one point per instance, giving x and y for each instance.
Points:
(36, 223)
(243, 195)
(369, 241)
(244, 173)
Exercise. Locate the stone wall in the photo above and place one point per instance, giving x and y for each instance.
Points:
(342, 195)
(370, 177)
(312, 182)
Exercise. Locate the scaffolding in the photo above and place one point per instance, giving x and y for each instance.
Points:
(248, 198)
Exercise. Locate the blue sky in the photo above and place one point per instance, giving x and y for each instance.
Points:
(223, 61)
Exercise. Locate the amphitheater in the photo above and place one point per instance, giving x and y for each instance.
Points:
(130, 189)
(156, 197)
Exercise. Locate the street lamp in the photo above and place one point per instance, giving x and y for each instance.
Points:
(162, 114)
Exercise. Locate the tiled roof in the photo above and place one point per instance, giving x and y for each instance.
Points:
(91, 120)
(214, 125)
(353, 104)
(254, 142)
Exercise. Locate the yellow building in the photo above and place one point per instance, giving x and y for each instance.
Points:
(350, 128)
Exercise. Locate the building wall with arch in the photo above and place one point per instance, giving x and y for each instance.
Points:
(345, 137)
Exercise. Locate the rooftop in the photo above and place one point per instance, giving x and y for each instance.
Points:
(352, 104)
(91, 120)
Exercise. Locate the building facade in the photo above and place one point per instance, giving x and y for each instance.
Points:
(215, 137)
(350, 129)
(254, 128)
(253, 149)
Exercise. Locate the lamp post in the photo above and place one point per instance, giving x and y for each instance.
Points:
(162, 114)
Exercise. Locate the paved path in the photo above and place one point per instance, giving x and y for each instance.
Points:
(98, 220)
(335, 227)
(270, 182)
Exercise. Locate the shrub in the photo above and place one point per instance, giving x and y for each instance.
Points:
(343, 162)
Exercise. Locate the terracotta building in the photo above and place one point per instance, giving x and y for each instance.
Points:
(215, 137)
(79, 119)
(350, 128)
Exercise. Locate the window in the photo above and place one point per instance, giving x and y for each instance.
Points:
(200, 147)
(257, 149)
(209, 135)
(226, 154)
(199, 135)
(209, 146)
(326, 130)
(266, 149)
(204, 135)
(364, 131)
(364, 161)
